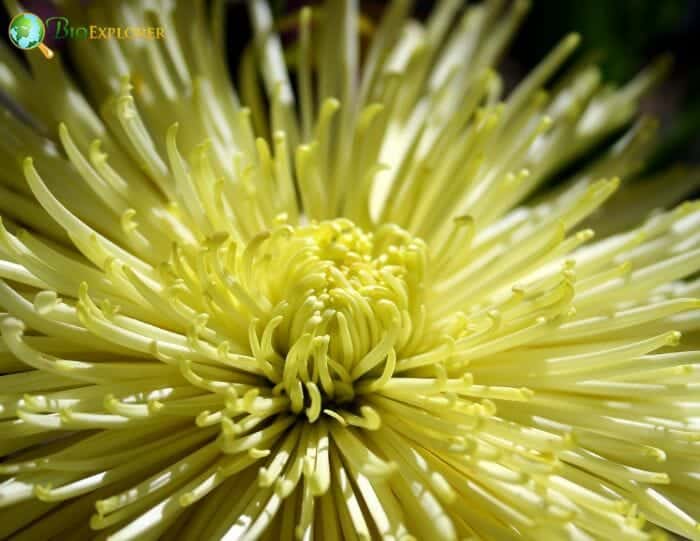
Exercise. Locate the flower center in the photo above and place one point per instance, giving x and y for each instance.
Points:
(342, 304)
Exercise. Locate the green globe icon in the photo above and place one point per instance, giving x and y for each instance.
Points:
(27, 31)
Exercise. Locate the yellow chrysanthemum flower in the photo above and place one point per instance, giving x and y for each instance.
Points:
(319, 308)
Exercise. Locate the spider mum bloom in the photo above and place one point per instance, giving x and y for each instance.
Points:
(324, 305)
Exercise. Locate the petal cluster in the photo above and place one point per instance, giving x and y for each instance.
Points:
(331, 300)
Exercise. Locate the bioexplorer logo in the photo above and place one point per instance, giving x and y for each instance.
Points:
(27, 31)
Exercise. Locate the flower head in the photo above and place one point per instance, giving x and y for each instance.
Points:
(330, 304)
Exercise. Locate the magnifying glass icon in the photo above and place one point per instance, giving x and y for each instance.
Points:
(27, 31)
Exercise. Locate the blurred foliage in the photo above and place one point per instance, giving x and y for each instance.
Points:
(625, 32)
(278, 7)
